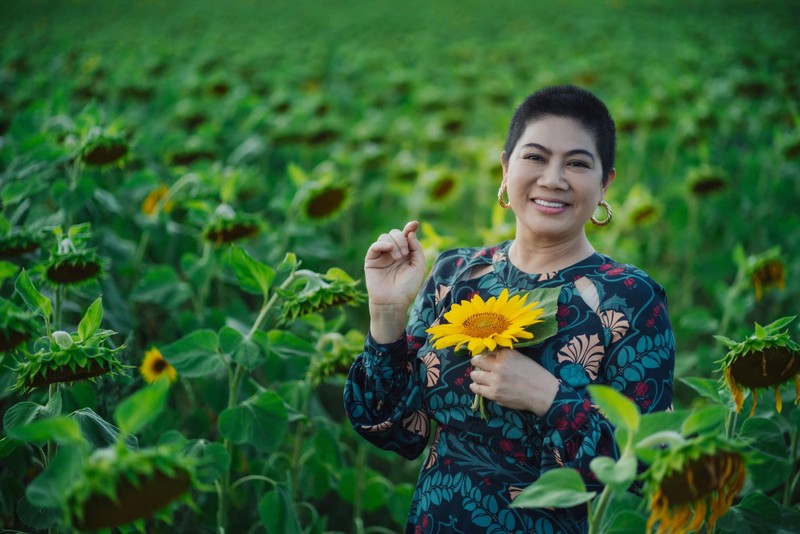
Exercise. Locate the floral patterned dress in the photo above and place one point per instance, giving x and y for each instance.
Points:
(476, 467)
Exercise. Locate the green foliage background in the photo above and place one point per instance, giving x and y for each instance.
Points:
(403, 107)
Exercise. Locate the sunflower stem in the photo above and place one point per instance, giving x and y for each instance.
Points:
(791, 482)
(596, 515)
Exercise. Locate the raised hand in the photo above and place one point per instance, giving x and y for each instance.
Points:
(394, 269)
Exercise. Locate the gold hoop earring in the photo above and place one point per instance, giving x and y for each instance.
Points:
(609, 214)
(503, 189)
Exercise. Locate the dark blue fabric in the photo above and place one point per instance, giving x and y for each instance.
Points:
(396, 393)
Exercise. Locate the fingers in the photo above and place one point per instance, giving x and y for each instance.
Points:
(397, 243)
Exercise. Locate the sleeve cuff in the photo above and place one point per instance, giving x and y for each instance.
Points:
(392, 350)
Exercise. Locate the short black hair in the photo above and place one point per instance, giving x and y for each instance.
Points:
(568, 101)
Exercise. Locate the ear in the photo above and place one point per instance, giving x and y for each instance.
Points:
(504, 163)
(611, 175)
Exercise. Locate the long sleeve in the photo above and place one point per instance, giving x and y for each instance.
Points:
(638, 361)
(384, 388)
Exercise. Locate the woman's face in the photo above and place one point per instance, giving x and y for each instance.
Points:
(555, 179)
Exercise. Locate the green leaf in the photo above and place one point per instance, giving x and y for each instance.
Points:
(91, 320)
(136, 411)
(51, 487)
(195, 354)
(26, 412)
(557, 488)
(705, 387)
(97, 431)
(710, 419)
(374, 489)
(617, 408)
(547, 299)
(60, 429)
(277, 512)
(771, 451)
(7, 270)
(259, 421)
(161, 285)
(254, 277)
(38, 517)
(760, 333)
(7, 446)
(35, 300)
(618, 475)
(212, 459)
(242, 350)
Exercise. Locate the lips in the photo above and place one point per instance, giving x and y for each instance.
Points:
(549, 203)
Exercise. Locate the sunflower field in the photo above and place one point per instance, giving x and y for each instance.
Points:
(188, 188)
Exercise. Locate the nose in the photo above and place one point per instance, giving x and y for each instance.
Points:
(553, 176)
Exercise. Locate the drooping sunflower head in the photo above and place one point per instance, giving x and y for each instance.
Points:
(156, 367)
(693, 484)
(72, 262)
(16, 326)
(104, 148)
(325, 201)
(313, 292)
(767, 270)
(485, 325)
(768, 358)
(228, 226)
(640, 207)
(706, 180)
(18, 242)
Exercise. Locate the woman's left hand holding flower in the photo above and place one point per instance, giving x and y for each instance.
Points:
(513, 381)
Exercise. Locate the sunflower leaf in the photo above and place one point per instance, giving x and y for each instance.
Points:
(557, 488)
(617, 408)
(35, 300)
(91, 320)
(136, 411)
(253, 276)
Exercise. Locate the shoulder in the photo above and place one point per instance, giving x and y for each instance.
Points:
(450, 263)
(627, 277)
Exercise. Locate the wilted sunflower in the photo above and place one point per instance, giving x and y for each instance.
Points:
(229, 226)
(118, 485)
(73, 268)
(706, 180)
(16, 326)
(325, 201)
(18, 242)
(766, 270)
(105, 149)
(768, 358)
(313, 292)
(72, 261)
(693, 484)
(499, 321)
(155, 367)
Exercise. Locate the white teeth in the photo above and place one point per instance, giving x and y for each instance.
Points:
(547, 204)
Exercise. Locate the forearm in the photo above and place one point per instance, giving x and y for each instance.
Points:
(387, 322)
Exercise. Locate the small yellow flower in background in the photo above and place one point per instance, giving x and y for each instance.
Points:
(155, 367)
(152, 199)
(693, 485)
(485, 325)
(768, 358)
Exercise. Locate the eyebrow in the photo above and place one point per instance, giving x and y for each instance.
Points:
(573, 152)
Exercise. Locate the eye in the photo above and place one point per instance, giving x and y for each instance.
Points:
(579, 163)
(533, 157)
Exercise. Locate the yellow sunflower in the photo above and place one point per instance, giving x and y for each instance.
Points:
(155, 367)
(499, 321)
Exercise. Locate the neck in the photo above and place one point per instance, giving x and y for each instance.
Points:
(537, 258)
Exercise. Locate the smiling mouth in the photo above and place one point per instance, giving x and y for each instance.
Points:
(549, 203)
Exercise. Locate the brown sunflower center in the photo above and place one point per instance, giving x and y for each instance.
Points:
(158, 366)
(771, 366)
(485, 324)
(325, 203)
(701, 477)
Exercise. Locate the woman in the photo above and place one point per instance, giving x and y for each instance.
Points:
(613, 328)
